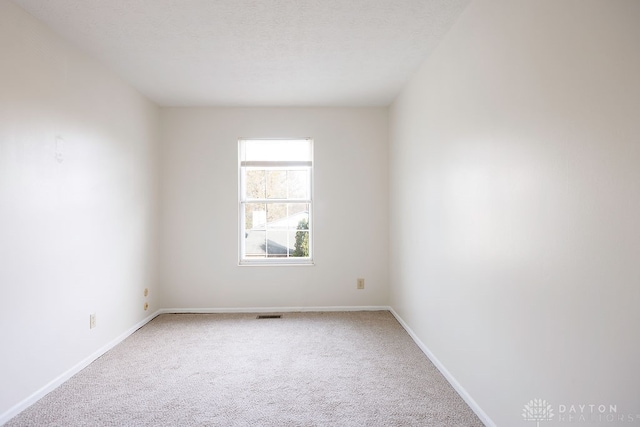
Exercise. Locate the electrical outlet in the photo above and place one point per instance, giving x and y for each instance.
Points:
(146, 306)
(92, 321)
(146, 292)
(360, 283)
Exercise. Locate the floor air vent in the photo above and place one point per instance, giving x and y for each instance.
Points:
(269, 316)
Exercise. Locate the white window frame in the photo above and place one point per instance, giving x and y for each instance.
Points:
(289, 260)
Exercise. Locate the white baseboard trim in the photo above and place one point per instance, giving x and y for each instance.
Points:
(56, 382)
(223, 310)
(454, 383)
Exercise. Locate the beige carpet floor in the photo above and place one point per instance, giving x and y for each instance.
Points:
(305, 369)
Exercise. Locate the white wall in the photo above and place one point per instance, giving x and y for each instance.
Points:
(515, 204)
(199, 260)
(77, 236)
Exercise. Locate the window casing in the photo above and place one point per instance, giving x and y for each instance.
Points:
(275, 201)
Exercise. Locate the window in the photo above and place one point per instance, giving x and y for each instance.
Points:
(275, 209)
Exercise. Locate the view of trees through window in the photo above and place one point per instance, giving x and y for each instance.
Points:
(275, 205)
(302, 239)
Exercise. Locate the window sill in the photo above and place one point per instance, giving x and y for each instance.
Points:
(305, 263)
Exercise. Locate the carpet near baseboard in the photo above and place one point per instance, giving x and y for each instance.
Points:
(304, 369)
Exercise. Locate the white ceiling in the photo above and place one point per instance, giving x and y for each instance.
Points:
(256, 52)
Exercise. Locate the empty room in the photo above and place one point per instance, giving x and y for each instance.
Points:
(320, 213)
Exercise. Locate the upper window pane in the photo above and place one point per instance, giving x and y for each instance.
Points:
(255, 183)
(276, 184)
(298, 184)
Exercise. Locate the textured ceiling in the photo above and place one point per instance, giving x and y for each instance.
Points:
(256, 52)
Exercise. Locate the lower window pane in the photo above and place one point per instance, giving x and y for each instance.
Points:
(277, 244)
(276, 230)
(277, 215)
(300, 240)
(255, 216)
(255, 245)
